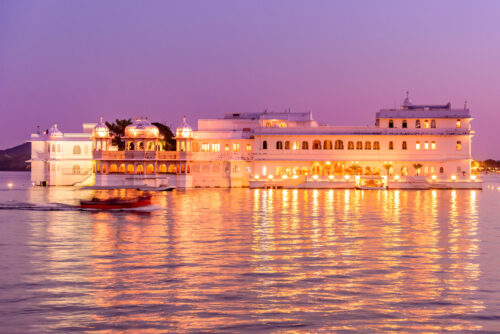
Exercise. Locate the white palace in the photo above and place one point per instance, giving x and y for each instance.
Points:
(415, 146)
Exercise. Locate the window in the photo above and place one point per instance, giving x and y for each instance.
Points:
(316, 145)
(433, 123)
(205, 147)
(236, 147)
(426, 145)
(376, 145)
(417, 145)
(215, 147)
(77, 149)
(282, 125)
(279, 145)
(58, 148)
(441, 170)
(287, 145)
(359, 145)
(405, 124)
(305, 145)
(368, 145)
(226, 147)
(404, 146)
(417, 124)
(112, 169)
(391, 145)
(459, 123)
(426, 124)
(249, 147)
(327, 145)
(391, 123)
(76, 169)
(268, 124)
(53, 147)
(296, 145)
(350, 145)
(433, 145)
(339, 145)
(459, 145)
(264, 145)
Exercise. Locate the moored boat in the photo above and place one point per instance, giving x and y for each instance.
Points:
(116, 203)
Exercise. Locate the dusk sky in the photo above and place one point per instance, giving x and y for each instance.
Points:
(71, 61)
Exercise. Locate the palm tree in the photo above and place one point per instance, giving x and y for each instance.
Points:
(355, 168)
(417, 167)
(387, 167)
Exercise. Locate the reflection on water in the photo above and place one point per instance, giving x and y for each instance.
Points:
(246, 260)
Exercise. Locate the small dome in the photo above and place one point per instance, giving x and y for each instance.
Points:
(142, 128)
(184, 130)
(54, 132)
(407, 102)
(101, 130)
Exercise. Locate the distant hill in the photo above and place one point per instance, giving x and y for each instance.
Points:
(14, 159)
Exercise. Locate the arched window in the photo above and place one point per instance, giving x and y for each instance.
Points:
(368, 145)
(130, 169)
(441, 170)
(316, 145)
(417, 124)
(162, 168)
(296, 145)
(404, 146)
(122, 168)
(350, 145)
(77, 149)
(76, 169)
(58, 147)
(405, 123)
(417, 145)
(305, 145)
(433, 123)
(140, 146)
(113, 168)
(459, 123)
(376, 145)
(282, 125)
(140, 169)
(53, 147)
(264, 145)
(426, 145)
(287, 145)
(151, 146)
(172, 169)
(359, 145)
(459, 145)
(339, 144)
(391, 145)
(268, 124)
(131, 146)
(433, 145)
(327, 144)
(391, 123)
(426, 124)
(279, 145)
(150, 169)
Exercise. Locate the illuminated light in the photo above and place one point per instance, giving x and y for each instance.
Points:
(285, 177)
(330, 177)
(473, 177)
(256, 177)
(315, 177)
(10, 185)
(295, 176)
(328, 162)
(453, 177)
(434, 177)
(347, 177)
(270, 177)
(396, 177)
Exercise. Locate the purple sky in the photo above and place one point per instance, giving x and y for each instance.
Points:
(71, 61)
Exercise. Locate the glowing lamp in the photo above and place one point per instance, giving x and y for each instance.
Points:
(10, 185)
(295, 176)
(270, 177)
(285, 177)
(256, 177)
(396, 177)
(453, 177)
(315, 177)
(328, 162)
(434, 177)
(473, 177)
(347, 177)
(330, 177)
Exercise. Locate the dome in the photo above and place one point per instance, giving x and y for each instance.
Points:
(54, 132)
(142, 128)
(407, 102)
(101, 130)
(184, 130)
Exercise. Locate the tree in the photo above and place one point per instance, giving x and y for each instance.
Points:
(118, 130)
(387, 167)
(167, 136)
(417, 167)
(355, 168)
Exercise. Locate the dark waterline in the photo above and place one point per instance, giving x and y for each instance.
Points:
(218, 260)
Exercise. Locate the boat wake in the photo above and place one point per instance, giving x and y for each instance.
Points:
(67, 207)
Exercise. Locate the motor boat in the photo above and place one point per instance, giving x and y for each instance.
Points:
(116, 203)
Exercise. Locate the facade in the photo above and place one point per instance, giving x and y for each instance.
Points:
(415, 146)
(62, 159)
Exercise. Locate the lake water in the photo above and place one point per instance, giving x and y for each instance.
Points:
(241, 260)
